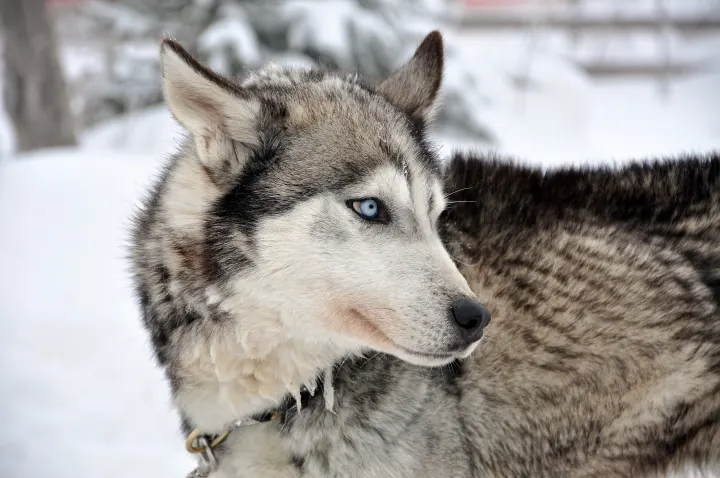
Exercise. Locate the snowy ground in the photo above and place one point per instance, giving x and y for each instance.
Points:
(80, 396)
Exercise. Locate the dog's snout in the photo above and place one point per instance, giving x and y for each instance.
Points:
(470, 317)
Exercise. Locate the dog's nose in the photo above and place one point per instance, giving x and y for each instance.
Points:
(470, 317)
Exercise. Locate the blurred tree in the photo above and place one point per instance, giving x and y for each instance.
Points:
(370, 37)
(35, 94)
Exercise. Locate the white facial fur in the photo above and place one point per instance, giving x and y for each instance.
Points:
(388, 287)
(326, 284)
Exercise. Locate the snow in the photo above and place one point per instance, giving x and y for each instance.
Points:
(332, 39)
(562, 116)
(615, 120)
(233, 33)
(641, 125)
(80, 396)
(486, 72)
(150, 131)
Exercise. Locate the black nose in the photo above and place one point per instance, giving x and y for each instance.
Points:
(470, 317)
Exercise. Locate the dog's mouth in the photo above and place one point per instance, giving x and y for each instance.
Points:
(428, 359)
(423, 358)
(434, 355)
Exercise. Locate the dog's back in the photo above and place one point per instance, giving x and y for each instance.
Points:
(604, 355)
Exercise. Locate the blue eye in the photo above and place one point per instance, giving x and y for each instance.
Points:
(370, 209)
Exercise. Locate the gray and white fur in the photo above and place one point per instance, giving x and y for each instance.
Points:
(257, 273)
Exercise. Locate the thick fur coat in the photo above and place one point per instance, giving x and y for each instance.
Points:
(259, 271)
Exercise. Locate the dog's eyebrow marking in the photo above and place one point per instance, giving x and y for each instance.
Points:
(396, 156)
(400, 162)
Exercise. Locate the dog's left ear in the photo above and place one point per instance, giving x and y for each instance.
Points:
(414, 86)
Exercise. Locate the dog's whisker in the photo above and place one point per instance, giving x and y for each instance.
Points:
(463, 263)
(456, 191)
(368, 360)
(341, 365)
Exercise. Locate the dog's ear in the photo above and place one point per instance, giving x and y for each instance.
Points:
(414, 86)
(213, 108)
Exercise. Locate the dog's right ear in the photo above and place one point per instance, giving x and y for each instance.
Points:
(213, 108)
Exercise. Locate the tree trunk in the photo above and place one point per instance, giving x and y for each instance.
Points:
(35, 94)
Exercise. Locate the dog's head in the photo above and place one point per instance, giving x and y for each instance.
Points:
(316, 197)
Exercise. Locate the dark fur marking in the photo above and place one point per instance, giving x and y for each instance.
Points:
(298, 462)
(315, 75)
(209, 75)
(709, 267)
(195, 258)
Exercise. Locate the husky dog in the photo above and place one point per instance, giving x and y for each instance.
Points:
(307, 257)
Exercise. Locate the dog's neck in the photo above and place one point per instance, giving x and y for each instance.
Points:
(243, 364)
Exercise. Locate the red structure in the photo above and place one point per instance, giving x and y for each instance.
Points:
(492, 3)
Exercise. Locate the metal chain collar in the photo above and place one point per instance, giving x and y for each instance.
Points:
(207, 462)
(203, 445)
